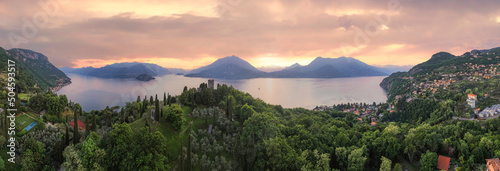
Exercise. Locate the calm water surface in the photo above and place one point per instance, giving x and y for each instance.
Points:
(97, 93)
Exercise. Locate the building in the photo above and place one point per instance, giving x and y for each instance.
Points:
(472, 96)
(443, 163)
(211, 83)
(493, 164)
(471, 103)
(80, 124)
(490, 111)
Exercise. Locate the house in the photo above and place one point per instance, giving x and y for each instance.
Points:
(1, 110)
(472, 96)
(80, 124)
(493, 164)
(471, 103)
(374, 123)
(443, 163)
(360, 119)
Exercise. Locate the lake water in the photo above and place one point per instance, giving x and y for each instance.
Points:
(97, 93)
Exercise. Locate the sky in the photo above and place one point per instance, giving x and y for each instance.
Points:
(266, 33)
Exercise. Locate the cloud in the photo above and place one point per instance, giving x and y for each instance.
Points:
(272, 32)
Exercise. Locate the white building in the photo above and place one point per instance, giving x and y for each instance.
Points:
(490, 111)
(471, 103)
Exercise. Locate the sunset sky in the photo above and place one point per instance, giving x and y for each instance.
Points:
(190, 34)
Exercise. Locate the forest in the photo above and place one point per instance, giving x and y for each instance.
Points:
(225, 129)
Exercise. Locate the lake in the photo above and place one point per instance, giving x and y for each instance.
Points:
(97, 93)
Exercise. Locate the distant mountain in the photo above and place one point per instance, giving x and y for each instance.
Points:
(123, 70)
(329, 68)
(235, 68)
(80, 71)
(270, 68)
(177, 70)
(231, 67)
(389, 69)
(34, 69)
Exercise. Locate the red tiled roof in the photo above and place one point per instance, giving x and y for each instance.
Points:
(443, 163)
(80, 124)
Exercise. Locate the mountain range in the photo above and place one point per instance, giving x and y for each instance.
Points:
(34, 69)
(233, 67)
(123, 70)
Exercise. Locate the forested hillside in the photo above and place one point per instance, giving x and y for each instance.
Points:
(225, 129)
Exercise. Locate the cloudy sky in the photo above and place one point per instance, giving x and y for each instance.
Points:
(190, 34)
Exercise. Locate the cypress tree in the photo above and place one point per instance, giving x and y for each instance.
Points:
(67, 132)
(164, 99)
(138, 99)
(94, 125)
(87, 121)
(151, 100)
(168, 100)
(157, 110)
(75, 129)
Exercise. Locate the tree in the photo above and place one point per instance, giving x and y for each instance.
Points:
(386, 164)
(54, 106)
(138, 99)
(428, 161)
(92, 156)
(174, 114)
(2, 164)
(278, 155)
(164, 99)
(341, 153)
(356, 160)
(149, 151)
(66, 136)
(87, 122)
(157, 110)
(230, 103)
(94, 124)
(63, 100)
(397, 167)
(72, 159)
(119, 146)
(246, 112)
(76, 138)
(33, 155)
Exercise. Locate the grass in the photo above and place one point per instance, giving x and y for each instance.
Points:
(23, 121)
(24, 96)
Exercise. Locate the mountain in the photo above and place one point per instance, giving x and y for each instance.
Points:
(389, 69)
(329, 68)
(231, 67)
(123, 70)
(436, 61)
(80, 71)
(34, 69)
(440, 64)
